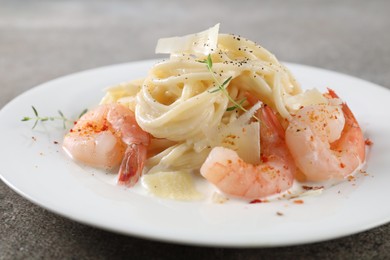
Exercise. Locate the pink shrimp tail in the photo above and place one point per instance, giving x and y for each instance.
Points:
(332, 93)
(349, 117)
(272, 139)
(267, 115)
(352, 132)
(132, 164)
(270, 120)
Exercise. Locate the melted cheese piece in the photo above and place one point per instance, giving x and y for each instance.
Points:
(177, 185)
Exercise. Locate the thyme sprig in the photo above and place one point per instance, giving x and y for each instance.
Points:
(39, 118)
(222, 86)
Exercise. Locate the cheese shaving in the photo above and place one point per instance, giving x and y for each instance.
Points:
(199, 43)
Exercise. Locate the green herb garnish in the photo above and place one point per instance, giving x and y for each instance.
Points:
(236, 106)
(39, 118)
(222, 87)
(83, 113)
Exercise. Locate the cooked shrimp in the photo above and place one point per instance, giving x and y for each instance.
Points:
(274, 174)
(106, 137)
(325, 141)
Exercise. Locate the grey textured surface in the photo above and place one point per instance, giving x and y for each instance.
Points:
(42, 40)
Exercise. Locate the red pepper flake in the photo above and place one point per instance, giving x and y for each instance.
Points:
(342, 165)
(298, 201)
(368, 142)
(256, 201)
(279, 213)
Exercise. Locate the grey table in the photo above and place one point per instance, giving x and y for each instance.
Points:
(42, 40)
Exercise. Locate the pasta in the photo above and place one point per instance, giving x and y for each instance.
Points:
(174, 101)
(226, 108)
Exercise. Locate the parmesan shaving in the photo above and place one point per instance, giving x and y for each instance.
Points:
(241, 136)
(309, 97)
(199, 43)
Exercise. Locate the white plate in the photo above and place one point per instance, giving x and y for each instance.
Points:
(36, 167)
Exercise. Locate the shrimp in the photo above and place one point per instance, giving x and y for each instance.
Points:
(106, 137)
(274, 174)
(325, 141)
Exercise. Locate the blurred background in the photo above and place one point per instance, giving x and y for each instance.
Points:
(41, 40)
(45, 39)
